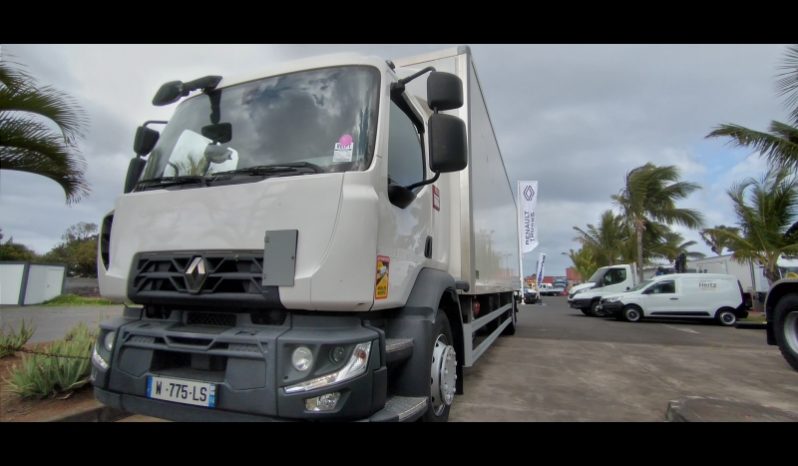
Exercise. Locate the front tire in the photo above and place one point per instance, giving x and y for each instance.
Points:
(632, 314)
(594, 309)
(443, 371)
(726, 317)
(785, 327)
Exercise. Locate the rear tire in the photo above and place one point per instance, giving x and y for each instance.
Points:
(785, 328)
(632, 314)
(726, 317)
(443, 370)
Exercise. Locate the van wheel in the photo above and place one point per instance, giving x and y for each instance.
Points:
(443, 370)
(594, 309)
(632, 314)
(726, 317)
(785, 327)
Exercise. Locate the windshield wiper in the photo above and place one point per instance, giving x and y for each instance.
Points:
(171, 181)
(292, 167)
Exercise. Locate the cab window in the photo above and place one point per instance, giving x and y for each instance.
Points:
(664, 287)
(405, 154)
(614, 276)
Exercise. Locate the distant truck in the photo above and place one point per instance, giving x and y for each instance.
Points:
(781, 311)
(606, 280)
(319, 241)
(553, 289)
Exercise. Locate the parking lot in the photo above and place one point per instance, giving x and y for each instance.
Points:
(564, 366)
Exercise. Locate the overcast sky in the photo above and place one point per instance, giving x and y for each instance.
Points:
(576, 118)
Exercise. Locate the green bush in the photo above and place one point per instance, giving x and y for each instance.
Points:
(75, 300)
(39, 376)
(10, 342)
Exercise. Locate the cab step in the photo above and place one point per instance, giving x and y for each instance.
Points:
(398, 349)
(401, 409)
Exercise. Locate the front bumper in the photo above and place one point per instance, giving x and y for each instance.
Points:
(249, 364)
(577, 303)
(611, 308)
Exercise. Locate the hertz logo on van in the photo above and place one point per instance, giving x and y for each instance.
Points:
(707, 285)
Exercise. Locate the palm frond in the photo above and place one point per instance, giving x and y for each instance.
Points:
(776, 149)
(787, 84)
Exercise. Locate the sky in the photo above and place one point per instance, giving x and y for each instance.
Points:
(576, 118)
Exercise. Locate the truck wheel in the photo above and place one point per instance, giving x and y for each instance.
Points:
(785, 327)
(726, 317)
(594, 311)
(443, 371)
(631, 314)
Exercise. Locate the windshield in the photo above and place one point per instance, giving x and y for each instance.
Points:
(596, 277)
(641, 285)
(323, 119)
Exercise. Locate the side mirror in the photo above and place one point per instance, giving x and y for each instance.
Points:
(169, 92)
(134, 171)
(444, 91)
(448, 149)
(145, 140)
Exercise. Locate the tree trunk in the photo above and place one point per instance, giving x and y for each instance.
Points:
(639, 232)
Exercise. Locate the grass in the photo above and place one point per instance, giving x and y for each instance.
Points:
(75, 300)
(11, 341)
(39, 376)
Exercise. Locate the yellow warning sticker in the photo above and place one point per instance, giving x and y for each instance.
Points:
(381, 288)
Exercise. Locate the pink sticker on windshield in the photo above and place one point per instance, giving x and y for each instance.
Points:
(343, 149)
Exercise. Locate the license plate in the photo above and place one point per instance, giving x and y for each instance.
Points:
(182, 391)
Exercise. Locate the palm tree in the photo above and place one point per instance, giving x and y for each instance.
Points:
(607, 240)
(715, 242)
(780, 145)
(28, 141)
(765, 211)
(673, 245)
(583, 260)
(650, 196)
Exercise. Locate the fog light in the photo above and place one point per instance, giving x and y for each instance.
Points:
(108, 341)
(337, 354)
(302, 359)
(326, 402)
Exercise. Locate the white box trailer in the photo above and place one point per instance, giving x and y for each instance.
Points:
(750, 275)
(356, 251)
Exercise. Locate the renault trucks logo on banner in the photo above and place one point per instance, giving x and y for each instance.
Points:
(529, 193)
(527, 228)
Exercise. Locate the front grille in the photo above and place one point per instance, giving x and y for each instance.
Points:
(211, 318)
(226, 273)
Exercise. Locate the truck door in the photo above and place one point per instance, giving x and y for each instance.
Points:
(661, 298)
(404, 231)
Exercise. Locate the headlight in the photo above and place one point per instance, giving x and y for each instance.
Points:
(613, 299)
(302, 359)
(356, 366)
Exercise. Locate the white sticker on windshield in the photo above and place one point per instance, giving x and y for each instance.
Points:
(343, 149)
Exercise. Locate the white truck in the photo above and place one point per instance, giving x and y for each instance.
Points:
(331, 239)
(606, 280)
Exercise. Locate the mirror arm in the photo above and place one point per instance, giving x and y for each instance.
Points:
(425, 182)
(399, 87)
(154, 122)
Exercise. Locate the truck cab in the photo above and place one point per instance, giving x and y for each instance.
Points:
(606, 280)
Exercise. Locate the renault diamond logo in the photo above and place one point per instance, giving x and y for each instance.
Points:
(196, 273)
(529, 193)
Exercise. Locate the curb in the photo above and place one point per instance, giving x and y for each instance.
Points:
(100, 413)
(705, 409)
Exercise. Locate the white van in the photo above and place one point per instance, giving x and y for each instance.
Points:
(682, 295)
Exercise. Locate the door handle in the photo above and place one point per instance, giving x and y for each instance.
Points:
(674, 299)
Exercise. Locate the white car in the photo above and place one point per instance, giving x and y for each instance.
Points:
(682, 295)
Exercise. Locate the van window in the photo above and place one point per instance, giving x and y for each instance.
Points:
(667, 286)
(614, 276)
